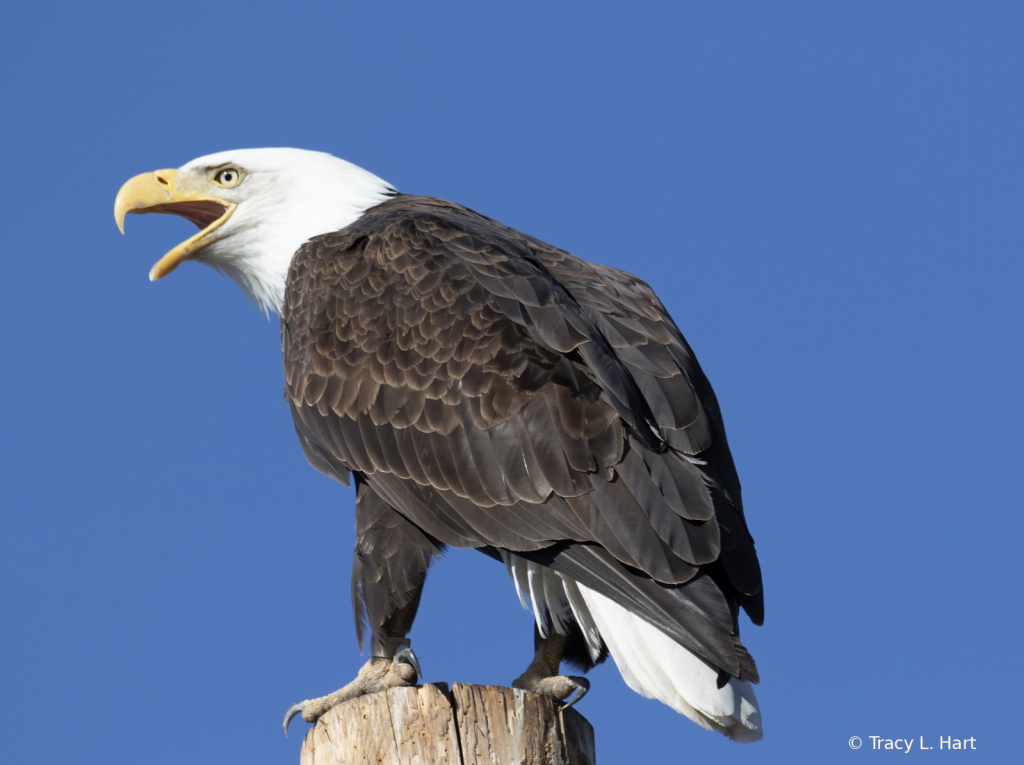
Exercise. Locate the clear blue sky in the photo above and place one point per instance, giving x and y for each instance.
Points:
(827, 196)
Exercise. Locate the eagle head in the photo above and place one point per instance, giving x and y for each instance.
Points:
(254, 209)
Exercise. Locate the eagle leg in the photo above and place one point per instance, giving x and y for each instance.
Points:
(381, 672)
(542, 675)
(388, 572)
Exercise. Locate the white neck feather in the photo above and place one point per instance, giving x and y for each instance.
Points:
(287, 197)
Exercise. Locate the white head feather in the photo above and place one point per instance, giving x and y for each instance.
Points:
(285, 197)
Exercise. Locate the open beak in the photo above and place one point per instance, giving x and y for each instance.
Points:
(157, 192)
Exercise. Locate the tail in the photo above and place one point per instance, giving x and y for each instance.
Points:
(657, 667)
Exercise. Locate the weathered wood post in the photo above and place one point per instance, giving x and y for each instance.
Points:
(467, 725)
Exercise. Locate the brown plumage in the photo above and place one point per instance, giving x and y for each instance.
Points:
(491, 391)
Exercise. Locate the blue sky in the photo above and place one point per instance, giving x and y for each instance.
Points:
(827, 197)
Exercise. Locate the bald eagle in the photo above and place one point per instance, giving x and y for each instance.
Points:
(486, 390)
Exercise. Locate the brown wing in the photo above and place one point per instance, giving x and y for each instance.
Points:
(642, 334)
(500, 393)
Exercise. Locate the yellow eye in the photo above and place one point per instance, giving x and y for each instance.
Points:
(228, 177)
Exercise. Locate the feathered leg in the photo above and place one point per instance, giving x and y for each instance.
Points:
(388, 572)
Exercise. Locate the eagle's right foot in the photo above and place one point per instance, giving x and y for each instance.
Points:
(378, 674)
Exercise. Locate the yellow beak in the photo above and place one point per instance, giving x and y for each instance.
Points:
(158, 192)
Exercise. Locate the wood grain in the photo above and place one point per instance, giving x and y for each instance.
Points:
(470, 725)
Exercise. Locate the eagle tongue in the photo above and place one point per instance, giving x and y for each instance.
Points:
(202, 213)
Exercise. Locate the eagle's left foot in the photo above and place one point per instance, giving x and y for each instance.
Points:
(542, 675)
(378, 674)
(557, 687)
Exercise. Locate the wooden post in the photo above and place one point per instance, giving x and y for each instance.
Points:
(468, 725)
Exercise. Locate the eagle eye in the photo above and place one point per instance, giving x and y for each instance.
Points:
(228, 177)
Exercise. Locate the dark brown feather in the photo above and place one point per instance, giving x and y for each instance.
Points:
(491, 391)
(390, 562)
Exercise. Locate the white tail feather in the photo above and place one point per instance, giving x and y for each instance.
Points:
(656, 666)
(583, 617)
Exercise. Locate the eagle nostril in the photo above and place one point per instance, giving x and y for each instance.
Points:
(162, 180)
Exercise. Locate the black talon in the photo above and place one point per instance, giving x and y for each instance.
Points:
(293, 710)
(405, 652)
(582, 686)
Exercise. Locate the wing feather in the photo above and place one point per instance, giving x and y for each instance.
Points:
(498, 393)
